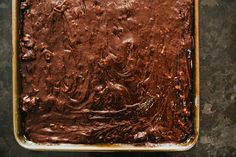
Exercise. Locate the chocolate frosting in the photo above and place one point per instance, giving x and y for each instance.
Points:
(107, 71)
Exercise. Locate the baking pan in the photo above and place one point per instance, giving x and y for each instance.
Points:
(22, 140)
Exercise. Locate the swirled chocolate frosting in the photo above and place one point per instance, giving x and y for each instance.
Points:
(106, 71)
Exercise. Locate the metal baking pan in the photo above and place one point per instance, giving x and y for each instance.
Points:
(22, 140)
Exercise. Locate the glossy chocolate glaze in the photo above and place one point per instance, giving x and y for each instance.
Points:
(107, 71)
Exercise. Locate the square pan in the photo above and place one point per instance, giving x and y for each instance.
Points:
(22, 141)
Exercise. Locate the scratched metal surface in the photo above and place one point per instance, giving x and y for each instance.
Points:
(218, 87)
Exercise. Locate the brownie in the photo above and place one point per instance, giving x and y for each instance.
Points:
(107, 71)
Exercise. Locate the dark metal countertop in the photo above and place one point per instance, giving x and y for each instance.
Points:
(218, 87)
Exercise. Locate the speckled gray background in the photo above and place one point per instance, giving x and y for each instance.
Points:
(218, 86)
